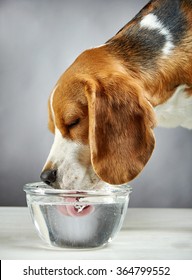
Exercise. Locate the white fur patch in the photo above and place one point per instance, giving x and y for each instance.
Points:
(151, 21)
(100, 46)
(51, 102)
(71, 173)
(177, 111)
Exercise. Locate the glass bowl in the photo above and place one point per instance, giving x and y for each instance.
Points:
(77, 219)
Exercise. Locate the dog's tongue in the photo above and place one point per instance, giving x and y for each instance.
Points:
(75, 210)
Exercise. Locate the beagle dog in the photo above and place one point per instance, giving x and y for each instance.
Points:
(104, 107)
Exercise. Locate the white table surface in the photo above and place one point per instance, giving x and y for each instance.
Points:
(147, 234)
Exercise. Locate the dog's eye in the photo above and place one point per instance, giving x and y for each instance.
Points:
(73, 123)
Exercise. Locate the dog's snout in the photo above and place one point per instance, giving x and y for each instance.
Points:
(49, 176)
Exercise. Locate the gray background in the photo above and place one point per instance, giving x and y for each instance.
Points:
(38, 40)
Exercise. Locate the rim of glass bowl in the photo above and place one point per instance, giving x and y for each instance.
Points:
(40, 188)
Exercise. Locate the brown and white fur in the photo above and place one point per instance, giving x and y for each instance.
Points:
(104, 107)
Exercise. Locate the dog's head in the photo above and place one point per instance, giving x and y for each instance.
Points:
(102, 125)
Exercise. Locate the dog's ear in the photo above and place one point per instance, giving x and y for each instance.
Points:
(120, 129)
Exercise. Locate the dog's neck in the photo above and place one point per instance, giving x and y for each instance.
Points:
(155, 48)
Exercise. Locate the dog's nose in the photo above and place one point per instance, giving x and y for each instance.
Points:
(49, 176)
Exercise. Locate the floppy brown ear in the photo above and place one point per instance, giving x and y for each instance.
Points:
(120, 129)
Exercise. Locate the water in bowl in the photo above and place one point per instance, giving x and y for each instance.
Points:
(94, 229)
